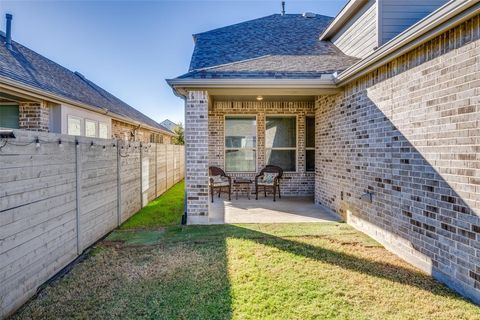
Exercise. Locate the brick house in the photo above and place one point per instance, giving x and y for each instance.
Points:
(39, 94)
(375, 113)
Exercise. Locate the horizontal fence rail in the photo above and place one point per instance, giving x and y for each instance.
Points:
(59, 194)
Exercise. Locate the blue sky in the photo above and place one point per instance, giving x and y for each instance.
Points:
(131, 47)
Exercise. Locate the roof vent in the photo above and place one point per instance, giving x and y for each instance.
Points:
(309, 15)
(81, 76)
(8, 33)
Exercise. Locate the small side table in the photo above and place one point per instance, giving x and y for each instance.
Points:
(238, 183)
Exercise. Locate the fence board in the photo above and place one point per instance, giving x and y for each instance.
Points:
(58, 199)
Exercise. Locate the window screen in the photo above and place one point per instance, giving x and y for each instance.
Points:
(74, 126)
(102, 130)
(90, 128)
(9, 116)
(281, 142)
(310, 143)
(240, 144)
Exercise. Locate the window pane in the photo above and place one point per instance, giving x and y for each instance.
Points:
(285, 159)
(310, 160)
(102, 130)
(240, 132)
(281, 132)
(74, 126)
(9, 116)
(310, 132)
(90, 128)
(240, 160)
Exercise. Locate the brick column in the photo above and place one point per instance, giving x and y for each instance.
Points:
(34, 116)
(196, 150)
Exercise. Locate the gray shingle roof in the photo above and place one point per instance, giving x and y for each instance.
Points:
(28, 67)
(274, 46)
(169, 124)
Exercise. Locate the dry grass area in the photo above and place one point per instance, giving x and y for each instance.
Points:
(301, 271)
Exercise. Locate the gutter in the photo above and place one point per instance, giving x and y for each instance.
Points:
(41, 94)
(439, 21)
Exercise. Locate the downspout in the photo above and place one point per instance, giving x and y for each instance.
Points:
(185, 203)
(135, 132)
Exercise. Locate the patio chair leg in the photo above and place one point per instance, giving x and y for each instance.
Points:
(265, 191)
(212, 193)
(219, 191)
(279, 195)
(256, 192)
(274, 193)
(229, 193)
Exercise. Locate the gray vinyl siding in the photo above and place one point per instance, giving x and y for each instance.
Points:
(397, 16)
(358, 38)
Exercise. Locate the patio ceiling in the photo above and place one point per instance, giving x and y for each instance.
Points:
(292, 98)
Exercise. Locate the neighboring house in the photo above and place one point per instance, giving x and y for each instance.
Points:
(376, 113)
(170, 125)
(38, 94)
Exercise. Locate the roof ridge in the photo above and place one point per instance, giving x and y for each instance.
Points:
(231, 25)
(249, 21)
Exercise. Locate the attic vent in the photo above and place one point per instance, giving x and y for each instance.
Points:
(309, 15)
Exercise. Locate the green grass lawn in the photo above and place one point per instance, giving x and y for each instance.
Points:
(284, 271)
(163, 211)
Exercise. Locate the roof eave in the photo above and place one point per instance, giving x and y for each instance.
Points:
(350, 9)
(45, 95)
(182, 86)
(439, 21)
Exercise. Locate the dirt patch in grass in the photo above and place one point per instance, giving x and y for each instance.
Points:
(310, 271)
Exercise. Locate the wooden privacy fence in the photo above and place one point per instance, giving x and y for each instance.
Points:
(59, 194)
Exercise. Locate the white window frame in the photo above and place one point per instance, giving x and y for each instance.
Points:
(69, 116)
(156, 137)
(296, 138)
(96, 128)
(309, 148)
(225, 147)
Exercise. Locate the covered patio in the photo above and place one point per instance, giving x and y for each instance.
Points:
(264, 210)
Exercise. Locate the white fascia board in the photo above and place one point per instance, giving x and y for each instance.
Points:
(27, 90)
(325, 81)
(439, 21)
(348, 11)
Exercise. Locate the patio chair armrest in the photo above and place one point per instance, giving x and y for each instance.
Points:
(276, 180)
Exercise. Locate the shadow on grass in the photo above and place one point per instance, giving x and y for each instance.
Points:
(207, 235)
(183, 273)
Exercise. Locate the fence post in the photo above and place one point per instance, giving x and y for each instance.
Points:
(119, 186)
(156, 165)
(77, 193)
(166, 167)
(141, 177)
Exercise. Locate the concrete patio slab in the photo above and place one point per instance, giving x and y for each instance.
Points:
(264, 210)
